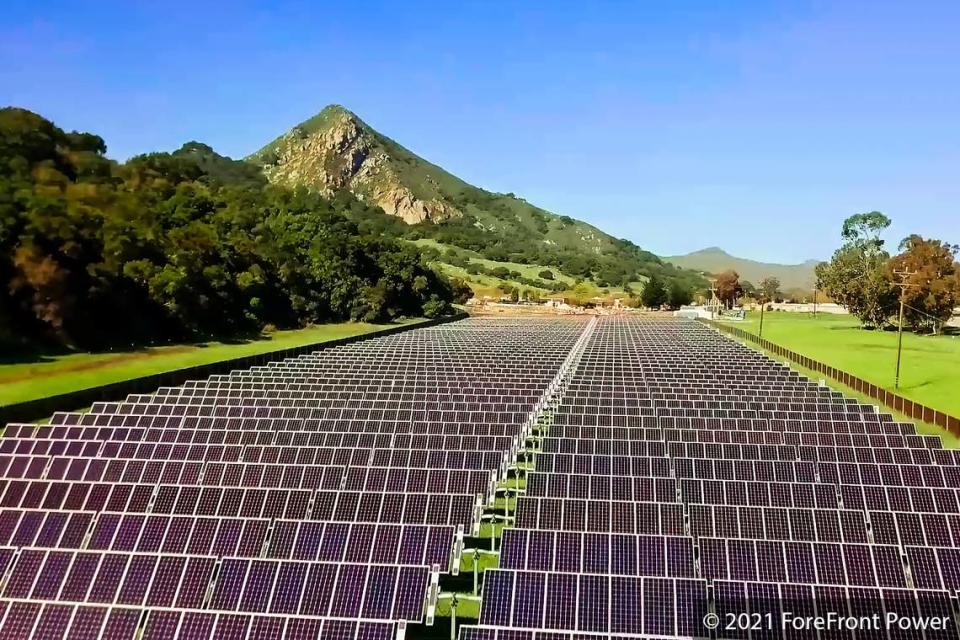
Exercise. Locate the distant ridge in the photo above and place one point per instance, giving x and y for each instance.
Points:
(713, 260)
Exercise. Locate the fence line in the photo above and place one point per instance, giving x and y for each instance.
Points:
(41, 408)
(885, 397)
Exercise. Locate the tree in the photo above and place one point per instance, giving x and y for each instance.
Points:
(461, 290)
(546, 274)
(749, 290)
(654, 294)
(769, 289)
(865, 228)
(679, 295)
(933, 288)
(857, 275)
(435, 308)
(728, 288)
(580, 295)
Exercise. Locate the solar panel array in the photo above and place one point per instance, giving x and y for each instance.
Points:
(317, 497)
(684, 474)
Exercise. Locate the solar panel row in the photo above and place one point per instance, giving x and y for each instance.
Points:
(662, 603)
(729, 433)
(384, 592)
(251, 430)
(31, 620)
(218, 536)
(44, 441)
(38, 465)
(360, 506)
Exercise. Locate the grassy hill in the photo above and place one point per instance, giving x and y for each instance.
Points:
(336, 151)
(714, 260)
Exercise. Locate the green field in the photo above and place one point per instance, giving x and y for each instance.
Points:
(929, 369)
(55, 374)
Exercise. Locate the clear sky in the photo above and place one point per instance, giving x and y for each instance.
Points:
(755, 126)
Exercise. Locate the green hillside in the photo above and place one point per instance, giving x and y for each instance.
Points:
(713, 260)
(336, 151)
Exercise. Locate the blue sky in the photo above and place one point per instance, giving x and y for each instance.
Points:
(755, 126)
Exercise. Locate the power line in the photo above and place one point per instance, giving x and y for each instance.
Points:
(923, 313)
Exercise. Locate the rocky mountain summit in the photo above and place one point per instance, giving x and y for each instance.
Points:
(336, 150)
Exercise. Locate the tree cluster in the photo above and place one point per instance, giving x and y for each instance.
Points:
(657, 294)
(171, 246)
(769, 290)
(727, 287)
(863, 277)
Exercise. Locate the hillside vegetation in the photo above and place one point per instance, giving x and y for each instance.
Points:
(335, 151)
(181, 246)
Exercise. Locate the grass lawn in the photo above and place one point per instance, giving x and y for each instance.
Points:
(468, 606)
(55, 374)
(929, 368)
(487, 560)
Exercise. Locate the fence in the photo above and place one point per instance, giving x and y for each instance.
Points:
(41, 408)
(889, 399)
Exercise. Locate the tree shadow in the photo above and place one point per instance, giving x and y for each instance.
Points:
(19, 354)
(944, 331)
(23, 354)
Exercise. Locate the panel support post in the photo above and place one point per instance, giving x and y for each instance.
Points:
(476, 570)
(453, 617)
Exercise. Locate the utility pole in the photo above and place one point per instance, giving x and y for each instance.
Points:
(903, 275)
(763, 305)
(714, 301)
(814, 301)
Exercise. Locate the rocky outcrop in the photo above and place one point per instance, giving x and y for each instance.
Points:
(402, 203)
(344, 154)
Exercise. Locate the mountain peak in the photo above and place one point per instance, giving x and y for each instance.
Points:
(715, 250)
(333, 107)
(336, 150)
(336, 111)
(328, 117)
